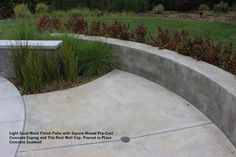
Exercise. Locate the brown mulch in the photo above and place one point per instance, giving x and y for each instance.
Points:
(55, 86)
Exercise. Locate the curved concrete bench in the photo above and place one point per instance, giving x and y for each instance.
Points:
(209, 88)
(12, 115)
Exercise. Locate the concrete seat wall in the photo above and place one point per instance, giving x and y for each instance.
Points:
(209, 88)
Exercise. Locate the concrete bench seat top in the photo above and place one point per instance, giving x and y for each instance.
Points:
(34, 44)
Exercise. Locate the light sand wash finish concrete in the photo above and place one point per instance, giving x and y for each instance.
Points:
(12, 115)
(159, 123)
(209, 88)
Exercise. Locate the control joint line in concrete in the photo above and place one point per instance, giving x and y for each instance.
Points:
(101, 142)
(169, 131)
(24, 124)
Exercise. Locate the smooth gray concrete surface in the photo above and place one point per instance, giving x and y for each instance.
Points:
(12, 114)
(209, 88)
(159, 122)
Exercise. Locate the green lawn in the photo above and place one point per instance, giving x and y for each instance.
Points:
(219, 31)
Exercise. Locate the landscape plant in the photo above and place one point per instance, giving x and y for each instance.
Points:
(203, 7)
(41, 8)
(76, 24)
(95, 58)
(31, 68)
(68, 59)
(140, 33)
(159, 9)
(49, 23)
(24, 30)
(221, 7)
(21, 11)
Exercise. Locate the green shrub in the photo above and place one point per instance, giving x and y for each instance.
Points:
(41, 8)
(95, 58)
(203, 7)
(221, 7)
(159, 9)
(21, 10)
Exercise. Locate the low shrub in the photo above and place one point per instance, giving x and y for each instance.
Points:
(203, 7)
(199, 48)
(77, 24)
(21, 11)
(41, 8)
(98, 28)
(221, 7)
(140, 33)
(159, 9)
(118, 30)
(95, 58)
(48, 23)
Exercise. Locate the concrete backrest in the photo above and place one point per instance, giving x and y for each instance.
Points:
(209, 88)
(6, 47)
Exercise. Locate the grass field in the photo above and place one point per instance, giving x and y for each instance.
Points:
(219, 31)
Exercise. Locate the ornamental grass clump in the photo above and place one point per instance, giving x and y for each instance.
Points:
(34, 68)
(68, 59)
(95, 58)
(24, 30)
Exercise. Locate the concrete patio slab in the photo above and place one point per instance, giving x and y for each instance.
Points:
(6, 149)
(7, 89)
(12, 109)
(162, 123)
(12, 115)
(205, 141)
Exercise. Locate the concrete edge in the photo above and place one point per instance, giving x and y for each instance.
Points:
(33, 44)
(210, 89)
